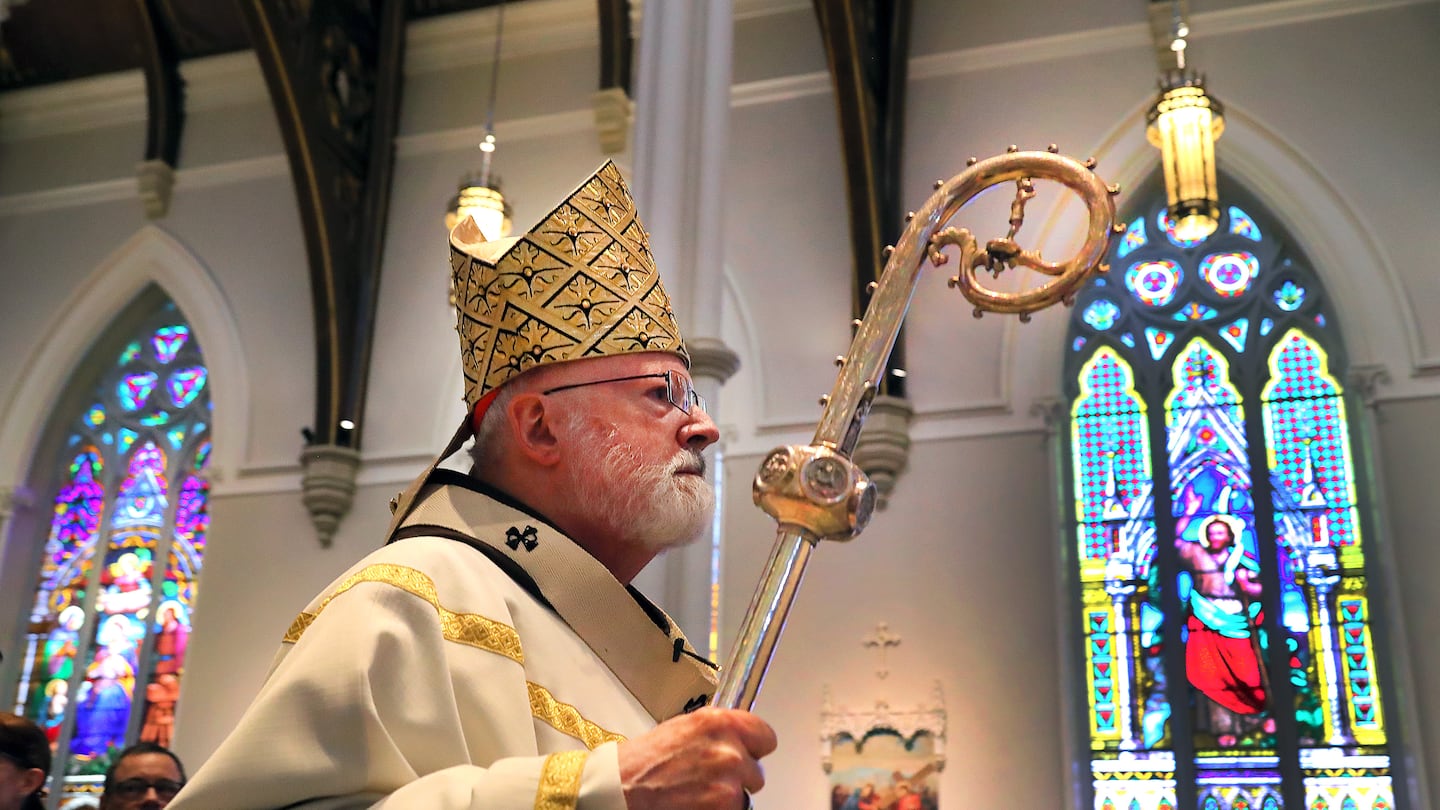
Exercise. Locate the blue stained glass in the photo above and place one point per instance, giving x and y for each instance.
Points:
(155, 419)
(1101, 314)
(168, 341)
(1230, 274)
(1194, 312)
(1236, 333)
(98, 590)
(134, 389)
(1134, 237)
(1078, 344)
(1242, 224)
(1289, 296)
(1207, 475)
(1168, 226)
(131, 352)
(186, 385)
(1158, 340)
(1154, 283)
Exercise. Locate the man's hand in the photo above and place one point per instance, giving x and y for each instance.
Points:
(705, 760)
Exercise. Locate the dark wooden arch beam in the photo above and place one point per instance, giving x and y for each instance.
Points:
(613, 102)
(616, 50)
(334, 74)
(164, 90)
(867, 44)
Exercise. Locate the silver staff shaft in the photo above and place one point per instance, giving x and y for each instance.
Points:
(764, 619)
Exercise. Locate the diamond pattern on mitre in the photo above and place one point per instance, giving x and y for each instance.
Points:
(529, 345)
(525, 274)
(582, 283)
(636, 332)
(586, 303)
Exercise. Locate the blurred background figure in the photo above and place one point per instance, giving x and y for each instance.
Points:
(24, 763)
(144, 776)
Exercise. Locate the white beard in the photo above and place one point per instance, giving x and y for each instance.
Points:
(653, 505)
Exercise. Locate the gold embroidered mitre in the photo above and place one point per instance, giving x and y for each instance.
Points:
(582, 283)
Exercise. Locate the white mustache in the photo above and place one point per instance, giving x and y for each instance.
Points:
(687, 461)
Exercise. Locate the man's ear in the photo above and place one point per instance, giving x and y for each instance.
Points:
(31, 781)
(531, 426)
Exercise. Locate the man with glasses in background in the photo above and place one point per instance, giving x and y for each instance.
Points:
(144, 776)
(493, 655)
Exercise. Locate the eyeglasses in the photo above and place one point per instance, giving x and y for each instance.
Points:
(678, 389)
(136, 788)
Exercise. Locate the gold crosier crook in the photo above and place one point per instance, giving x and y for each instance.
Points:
(815, 492)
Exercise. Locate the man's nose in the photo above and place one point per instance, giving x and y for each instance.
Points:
(699, 430)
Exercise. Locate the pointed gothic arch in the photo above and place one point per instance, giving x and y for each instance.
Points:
(1223, 539)
(1347, 256)
(151, 257)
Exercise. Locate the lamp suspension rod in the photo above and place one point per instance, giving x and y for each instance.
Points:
(488, 145)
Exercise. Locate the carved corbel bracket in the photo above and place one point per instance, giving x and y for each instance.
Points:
(157, 181)
(1053, 412)
(1365, 381)
(713, 359)
(327, 486)
(614, 113)
(838, 722)
(883, 450)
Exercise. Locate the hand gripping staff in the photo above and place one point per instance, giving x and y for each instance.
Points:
(815, 492)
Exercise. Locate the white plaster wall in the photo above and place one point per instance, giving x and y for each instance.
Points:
(1333, 115)
(963, 570)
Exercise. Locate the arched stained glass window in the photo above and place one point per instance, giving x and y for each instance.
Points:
(105, 647)
(1225, 610)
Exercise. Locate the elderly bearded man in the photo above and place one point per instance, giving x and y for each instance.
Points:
(493, 655)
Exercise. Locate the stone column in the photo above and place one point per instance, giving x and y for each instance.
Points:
(1365, 384)
(682, 119)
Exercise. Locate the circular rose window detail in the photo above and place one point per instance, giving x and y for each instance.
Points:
(1230, 274)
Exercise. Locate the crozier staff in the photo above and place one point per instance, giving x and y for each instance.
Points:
(492, 654)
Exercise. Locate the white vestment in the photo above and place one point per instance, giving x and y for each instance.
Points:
(440, 672)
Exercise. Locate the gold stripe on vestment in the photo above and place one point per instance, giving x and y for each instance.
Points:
(560, 781)
(469, 629)
(566, 719)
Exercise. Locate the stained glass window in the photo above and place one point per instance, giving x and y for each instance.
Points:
(1225, 617)
(110, 621)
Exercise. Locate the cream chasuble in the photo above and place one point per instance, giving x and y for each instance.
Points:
(480, 660)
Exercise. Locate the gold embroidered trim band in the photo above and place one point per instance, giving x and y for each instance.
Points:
(560, 781)
(462, 628)
(566, 719)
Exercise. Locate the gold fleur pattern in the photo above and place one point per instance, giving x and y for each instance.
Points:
(585, 303)
(560, 781)
(581, 283)
(567, 719)
(470, 629)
